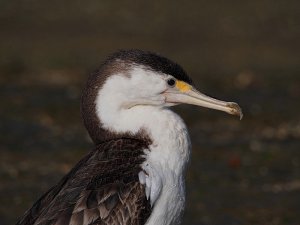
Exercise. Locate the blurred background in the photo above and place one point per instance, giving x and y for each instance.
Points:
(241, 172)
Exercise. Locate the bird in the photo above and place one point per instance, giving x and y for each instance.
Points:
(135, 173)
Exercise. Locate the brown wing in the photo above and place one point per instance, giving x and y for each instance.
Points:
(103, 189)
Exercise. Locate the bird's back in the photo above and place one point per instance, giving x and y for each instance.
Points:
(103, 188)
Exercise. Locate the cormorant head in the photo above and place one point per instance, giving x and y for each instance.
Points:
(130, 79)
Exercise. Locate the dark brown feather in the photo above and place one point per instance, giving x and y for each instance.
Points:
(103, 188)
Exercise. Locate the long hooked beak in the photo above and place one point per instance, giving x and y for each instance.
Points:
(185, 93)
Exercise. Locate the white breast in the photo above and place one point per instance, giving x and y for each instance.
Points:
(165, 167)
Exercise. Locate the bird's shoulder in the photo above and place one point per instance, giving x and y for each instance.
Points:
(103, 188)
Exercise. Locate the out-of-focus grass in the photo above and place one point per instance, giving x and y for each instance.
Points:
(241, 172)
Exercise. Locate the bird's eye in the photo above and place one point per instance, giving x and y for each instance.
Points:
(171, 82)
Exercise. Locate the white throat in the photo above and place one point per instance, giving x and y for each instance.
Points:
(167, 156)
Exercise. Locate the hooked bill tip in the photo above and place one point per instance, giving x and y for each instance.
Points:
(235, 109)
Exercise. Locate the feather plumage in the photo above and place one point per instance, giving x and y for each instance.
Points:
(103, 188)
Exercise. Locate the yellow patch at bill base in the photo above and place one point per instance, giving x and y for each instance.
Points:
(182, 86)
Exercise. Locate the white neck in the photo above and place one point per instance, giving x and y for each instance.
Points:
(166, 158)
(165, 167)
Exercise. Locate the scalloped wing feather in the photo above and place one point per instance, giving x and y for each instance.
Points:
(103, 188)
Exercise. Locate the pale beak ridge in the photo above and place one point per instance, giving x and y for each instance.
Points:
(194, 97)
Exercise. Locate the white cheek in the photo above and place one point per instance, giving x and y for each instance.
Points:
(146, 83)
(120, 93)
